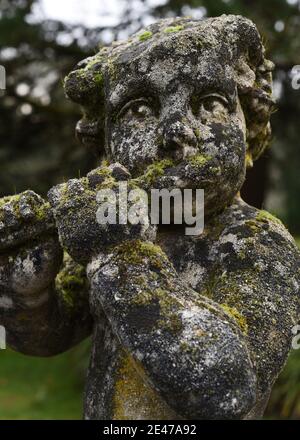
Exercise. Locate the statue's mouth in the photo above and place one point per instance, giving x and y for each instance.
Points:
(88, 133)
(179, 153)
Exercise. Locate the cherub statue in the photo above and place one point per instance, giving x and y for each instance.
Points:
(183, 327)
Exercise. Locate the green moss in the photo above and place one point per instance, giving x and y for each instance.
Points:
(41, 213)
(171, 322)
(98, 78)
(154, 171)
(104, 171)
(103, 49)
(238, 317)
(70, 282)
(172, 29)
(145, 36)
(193, 349)
(199, 160)
(104, 163)
(109, 182)
(95, 60)
(8, 199)
(265, 216)
(210, 286)
(64, 194)
(253, 225)
(86, 77)
(198, 133)
(112, 68)
(135, 252)
(231, 293)
(168, 306)
(242, 255)
(214, 227)
(14, 201)
(88, 197)
(184, 346)
(262, 217)
(249, 159)
(143, 298)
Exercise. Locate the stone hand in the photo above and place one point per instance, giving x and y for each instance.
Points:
(75, 208)
(30, 251)
(23, 217)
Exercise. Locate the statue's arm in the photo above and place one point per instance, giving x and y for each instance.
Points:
(43, 303)
(258, 282)
(193, 353)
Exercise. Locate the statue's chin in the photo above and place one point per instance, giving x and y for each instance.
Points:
(208, 178)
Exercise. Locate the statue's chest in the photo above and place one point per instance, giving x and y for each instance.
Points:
(190, 257)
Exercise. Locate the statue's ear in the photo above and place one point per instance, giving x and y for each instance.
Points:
(85, 86)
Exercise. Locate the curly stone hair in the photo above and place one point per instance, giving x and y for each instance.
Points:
(233, 38)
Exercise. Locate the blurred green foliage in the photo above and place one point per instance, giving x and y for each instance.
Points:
(285, 399)
(52, 388)
(37, 144)
(37, 388)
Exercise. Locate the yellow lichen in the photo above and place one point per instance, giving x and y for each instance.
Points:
(235, 314)
(198, 160)
(134, 398)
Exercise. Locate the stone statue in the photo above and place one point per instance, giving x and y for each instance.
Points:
(183, 327)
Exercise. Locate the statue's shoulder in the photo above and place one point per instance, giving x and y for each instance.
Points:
(249, 236)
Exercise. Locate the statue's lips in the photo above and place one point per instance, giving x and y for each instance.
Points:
(88, 141)
(88, 133)
(181, 153)
(170, 182)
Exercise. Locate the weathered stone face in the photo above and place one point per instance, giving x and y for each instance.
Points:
(201, 131)
(183, 91)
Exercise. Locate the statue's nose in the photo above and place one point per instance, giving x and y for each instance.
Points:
(81, 87)
(179, 136)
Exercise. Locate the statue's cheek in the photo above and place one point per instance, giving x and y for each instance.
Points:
(236, 147)
(227, 144)
(135, 143)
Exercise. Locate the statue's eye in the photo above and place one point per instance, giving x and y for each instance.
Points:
(139, 108)
(212, 105)
(214, 102)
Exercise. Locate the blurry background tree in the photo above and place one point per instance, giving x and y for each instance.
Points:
(41, 40)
